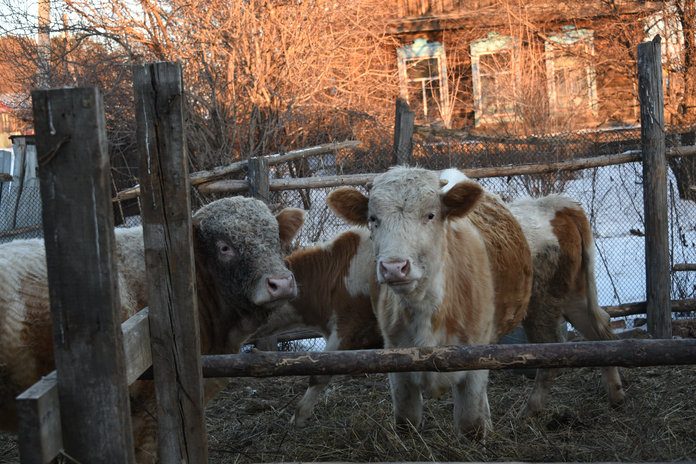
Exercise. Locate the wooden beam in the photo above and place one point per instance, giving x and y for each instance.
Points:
(201, 177)
(166, 216)
(630, 309)
(38, 411)
(40, 435)
(684, 267)
(631, 156)
(258, 179)
(5, 177)
(652, 135)
(403, 133)
(627, 353)
(74, 173)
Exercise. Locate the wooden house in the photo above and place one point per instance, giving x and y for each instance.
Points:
(521, 67)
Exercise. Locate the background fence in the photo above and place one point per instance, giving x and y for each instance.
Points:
(611, 195)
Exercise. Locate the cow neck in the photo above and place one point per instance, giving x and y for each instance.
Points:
(320, 275)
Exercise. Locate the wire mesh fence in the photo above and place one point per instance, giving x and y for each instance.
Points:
(612, 197)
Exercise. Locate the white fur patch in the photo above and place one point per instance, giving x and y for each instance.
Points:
(453, 177)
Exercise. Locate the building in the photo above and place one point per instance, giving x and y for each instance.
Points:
(524, 67)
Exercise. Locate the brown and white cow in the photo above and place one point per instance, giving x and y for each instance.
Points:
(241, 278)
(560, 238)
(453, 268)
(334, 281)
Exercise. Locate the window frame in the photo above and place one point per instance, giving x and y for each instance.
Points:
(570, 36)
(421, 49)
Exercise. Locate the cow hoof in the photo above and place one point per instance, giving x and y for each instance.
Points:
(299, 421)
(617, 398)
(476, 430)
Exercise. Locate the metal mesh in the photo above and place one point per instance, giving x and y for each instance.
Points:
(20, 199)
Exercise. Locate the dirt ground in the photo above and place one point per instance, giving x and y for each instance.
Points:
(248, 422)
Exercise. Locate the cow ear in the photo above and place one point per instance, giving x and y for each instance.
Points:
(350, 204)
(460, 199)
(289, 222)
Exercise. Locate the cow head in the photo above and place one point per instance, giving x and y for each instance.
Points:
(407, 213)
(238, 246)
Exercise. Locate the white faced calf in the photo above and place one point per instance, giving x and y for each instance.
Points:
(560, 238)
(453, 268)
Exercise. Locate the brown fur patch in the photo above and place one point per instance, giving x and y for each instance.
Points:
(350, 204)
(570, 225)
(320, 274)
(461, 198)
(510, 259)
(289, 222)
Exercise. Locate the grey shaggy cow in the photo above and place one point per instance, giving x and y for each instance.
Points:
(241, 278)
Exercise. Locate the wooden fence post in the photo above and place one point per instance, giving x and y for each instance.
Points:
(652, 134)
(79, 238)
(403, 133)
(259, 187)
(166, 215)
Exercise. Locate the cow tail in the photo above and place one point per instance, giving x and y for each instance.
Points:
(600, 316)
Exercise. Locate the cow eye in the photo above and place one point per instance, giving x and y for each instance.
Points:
(372, 219)
(225, 250)
(431, 216)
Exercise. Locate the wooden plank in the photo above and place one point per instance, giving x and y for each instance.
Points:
(684, 267)
(40, 436)
(626, 353)
(38, 410)
(201, 177)
(79, 239)
(5, 177)
(630, 309)
(403, 133)
(631, 156)
(166, 215)
(652, 135)
(257, 174)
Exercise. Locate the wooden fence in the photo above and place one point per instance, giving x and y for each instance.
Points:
(95, 425)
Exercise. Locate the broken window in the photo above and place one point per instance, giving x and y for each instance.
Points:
(570, 73)
(423, 80)
(492, 75)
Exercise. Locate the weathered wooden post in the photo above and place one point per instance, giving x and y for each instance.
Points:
(259, 187)
(652, 134)
(403, 133)
(166, 215)
(79, 238)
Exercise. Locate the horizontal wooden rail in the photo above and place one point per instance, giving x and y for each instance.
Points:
(627, 353)
(20, 231)
(39, 409)
(4, 177)
(684, 267)
(630, 309)
(200, 177)
(631, 156)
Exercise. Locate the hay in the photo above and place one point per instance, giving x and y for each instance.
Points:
(248, 422)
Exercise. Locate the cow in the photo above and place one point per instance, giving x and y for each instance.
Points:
(240, 275)
(564, 289)
(334, 282)
(453, 268)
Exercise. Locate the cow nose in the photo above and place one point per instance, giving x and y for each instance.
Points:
(394, 270)
(281, 287)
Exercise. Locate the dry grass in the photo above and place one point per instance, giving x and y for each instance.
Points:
(248, 422)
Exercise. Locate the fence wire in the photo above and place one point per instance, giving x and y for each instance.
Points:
(612, 197)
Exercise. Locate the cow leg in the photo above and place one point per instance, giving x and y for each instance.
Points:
(317, 385)
(593, 324)
(542, 328)
(472, 414)
(406, 399)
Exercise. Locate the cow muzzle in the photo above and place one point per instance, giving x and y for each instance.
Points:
(275, 289)
(396, 273)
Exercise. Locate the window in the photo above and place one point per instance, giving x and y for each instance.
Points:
(491, 67)
(570, 74)
(423, 80)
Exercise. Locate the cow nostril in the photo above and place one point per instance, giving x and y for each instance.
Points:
(280, 287)
(406, 268)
